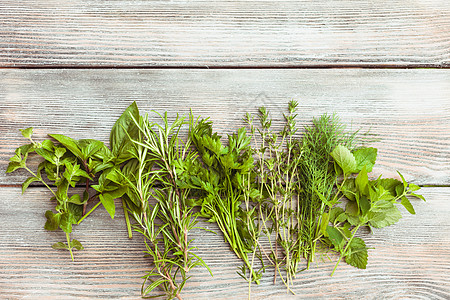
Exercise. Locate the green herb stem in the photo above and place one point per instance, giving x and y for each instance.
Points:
(68, 245)
(89, 212)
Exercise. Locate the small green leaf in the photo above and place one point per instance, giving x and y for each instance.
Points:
(12, 166)
(27, 133)
(418, 196)
(335, 212)
(89, 147)
(76, 199)
(365, 157)
(405, 184)
(413, 187)
(407, 204)
(60, 245)
(324, 222)
(389, 184)
(357, 253)
(69, 143)
(59, 152)
(48, 155)
(344, 158)
(27, 182)
(76, 244)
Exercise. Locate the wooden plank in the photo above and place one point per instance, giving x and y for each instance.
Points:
(410, 259)
(224, 33)
(407, 109)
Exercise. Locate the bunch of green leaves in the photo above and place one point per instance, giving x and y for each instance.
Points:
(71, 163)
(276, 168)
(65, 165)
(317, 178)
(157, 197)
(371, 203)
(225, 181)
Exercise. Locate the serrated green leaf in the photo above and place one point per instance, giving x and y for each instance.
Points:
(66, 222)
(12, 166)
(365, 157)
(344, 158)
(108, 202)
(389, 184)
(385, 217)
(407, 204)
(52, 220)
(357, 253)
(27, 182)
(27, 133)
(60, 245)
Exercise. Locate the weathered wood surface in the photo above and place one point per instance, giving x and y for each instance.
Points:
(224, 33)
(407, 109)
(409, 260)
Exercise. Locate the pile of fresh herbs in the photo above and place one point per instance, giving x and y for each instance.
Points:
(280, 199)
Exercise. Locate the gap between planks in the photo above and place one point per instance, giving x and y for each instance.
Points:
(443, 65)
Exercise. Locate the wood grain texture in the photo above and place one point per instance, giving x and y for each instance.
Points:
(407, 109)
(224, 33)
(409, 260)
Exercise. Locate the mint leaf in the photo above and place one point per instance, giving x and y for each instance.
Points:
(344, 158)
(389, 184)
(27, 133)
(357, 253)
(384, 217)
(27, 182)
(76, 244)
(52, 220)
(365, 157)
(60, 245)
(413, 187)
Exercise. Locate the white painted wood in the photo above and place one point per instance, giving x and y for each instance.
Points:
(224, 33)
(409, 260)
